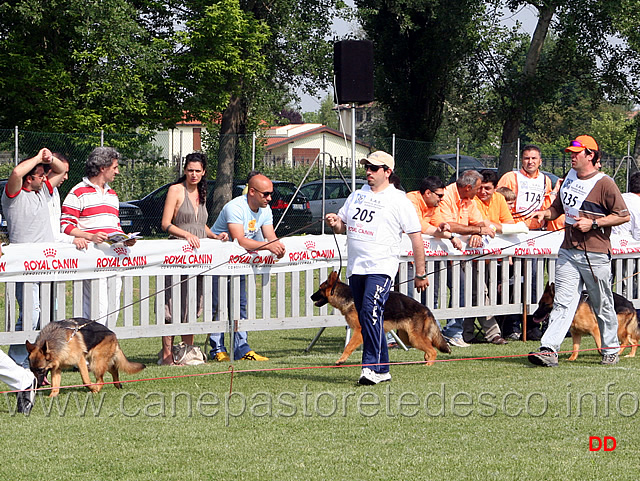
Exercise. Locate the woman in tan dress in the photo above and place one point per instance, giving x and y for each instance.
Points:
(185, 217)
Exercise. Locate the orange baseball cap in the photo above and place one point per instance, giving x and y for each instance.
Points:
(582, 142)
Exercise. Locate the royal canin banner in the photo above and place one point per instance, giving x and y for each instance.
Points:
(61, 262)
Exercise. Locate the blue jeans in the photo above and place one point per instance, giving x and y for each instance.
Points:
(453, 328)
(18, 352)
(370, 292)
(572, 274)
(216, 339)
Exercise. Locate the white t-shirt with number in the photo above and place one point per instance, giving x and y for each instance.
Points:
(573, 193)
(530, 193)
(375, 223)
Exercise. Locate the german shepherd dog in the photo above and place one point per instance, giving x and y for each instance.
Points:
(73, 343)
(585, 322)
(414, 322)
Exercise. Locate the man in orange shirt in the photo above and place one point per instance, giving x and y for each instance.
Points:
(495, 211)
(532, 187)
(425, 200)
(492, 206)
(458, 209)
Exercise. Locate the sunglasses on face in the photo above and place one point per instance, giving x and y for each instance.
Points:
(575, 143)
(375, 168)
(264, 194)
(440, 196)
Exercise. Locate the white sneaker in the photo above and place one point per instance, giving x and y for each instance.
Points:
(457, 342)
(369, 377)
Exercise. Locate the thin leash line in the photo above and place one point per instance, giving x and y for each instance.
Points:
(131, 304)
(484, 255)
(233, 371)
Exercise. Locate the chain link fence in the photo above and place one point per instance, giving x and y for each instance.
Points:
(150, 161)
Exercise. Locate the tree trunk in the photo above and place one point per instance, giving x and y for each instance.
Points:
(511, 126)
(509, 141)
(232, 124)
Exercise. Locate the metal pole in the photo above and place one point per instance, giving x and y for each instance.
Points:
(353, 148)
(171, 146)
(16, 145)
(628, 162)
(324, 181)
(457, 157)
(518, 153)
(253, 151)
(393, 146)
(101, 138)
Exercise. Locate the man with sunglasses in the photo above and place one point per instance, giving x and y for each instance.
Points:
(25, 207)
(425, 200)
(248, 220)
(374, 219)
(592, 204)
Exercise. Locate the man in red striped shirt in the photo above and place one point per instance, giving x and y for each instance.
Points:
(91, 211)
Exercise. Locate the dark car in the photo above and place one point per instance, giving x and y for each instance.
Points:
(152, 205)
(130, 216)
(299, 215)
(336, 193)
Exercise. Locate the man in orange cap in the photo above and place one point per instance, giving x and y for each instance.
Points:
(592, 204)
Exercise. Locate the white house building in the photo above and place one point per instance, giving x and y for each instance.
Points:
(300, 144)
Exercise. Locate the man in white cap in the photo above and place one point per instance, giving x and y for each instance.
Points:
(374, 219)
(592, 204)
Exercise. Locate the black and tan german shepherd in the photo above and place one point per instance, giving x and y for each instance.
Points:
(414, 322)
(585, 322)
(74, 343)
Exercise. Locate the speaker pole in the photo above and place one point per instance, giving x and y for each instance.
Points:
(353, 147)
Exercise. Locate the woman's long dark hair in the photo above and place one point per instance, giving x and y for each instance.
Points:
(202, 185)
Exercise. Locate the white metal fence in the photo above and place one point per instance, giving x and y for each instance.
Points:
(282, 300)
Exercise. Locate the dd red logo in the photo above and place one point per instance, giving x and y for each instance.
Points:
(608, 443)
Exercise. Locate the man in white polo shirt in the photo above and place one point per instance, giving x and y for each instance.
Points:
(374, 219)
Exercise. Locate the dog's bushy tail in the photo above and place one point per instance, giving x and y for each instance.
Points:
(437, 339)
(123, 364)
(441, 343)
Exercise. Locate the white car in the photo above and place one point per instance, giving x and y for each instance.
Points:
(336, 193)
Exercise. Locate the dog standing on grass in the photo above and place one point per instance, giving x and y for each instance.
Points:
(74, 343)
(414, 322)
(585, 323)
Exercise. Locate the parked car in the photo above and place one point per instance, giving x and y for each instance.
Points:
(131, 219)
(298, 215)
(152, 205)
(336, 193)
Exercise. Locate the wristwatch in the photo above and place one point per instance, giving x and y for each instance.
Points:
(594, 225)
(422, 277)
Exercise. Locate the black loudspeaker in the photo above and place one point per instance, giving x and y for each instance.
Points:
(353, 68)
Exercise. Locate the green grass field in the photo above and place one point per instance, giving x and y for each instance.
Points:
(459, 419)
